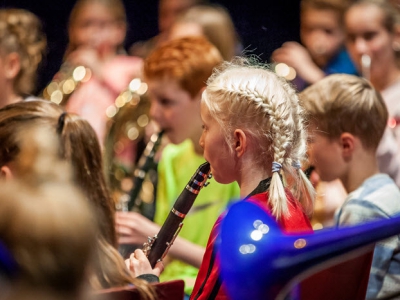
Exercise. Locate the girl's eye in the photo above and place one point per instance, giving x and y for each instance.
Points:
(165, 102)
(369, 35)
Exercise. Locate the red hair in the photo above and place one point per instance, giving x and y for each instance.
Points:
(188, 60)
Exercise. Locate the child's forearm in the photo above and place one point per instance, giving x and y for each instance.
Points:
(187, 252)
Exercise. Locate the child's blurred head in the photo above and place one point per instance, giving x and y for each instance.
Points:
(342, 104)
(250, 98)
(76, 144)
(169, 10)
(176, 74)
(50, 230)
(14, 120)
(321, 28)
(46, 221)
(97, 23)
(372, 28)
(22, 45)
(211, 21)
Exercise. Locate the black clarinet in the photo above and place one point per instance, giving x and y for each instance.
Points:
(146, 162)
(157, 247)
(308, 171)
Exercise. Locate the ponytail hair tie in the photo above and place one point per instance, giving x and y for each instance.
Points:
(296, 164)
(276, 167)
(61, 121)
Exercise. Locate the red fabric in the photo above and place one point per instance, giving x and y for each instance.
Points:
(296, 222)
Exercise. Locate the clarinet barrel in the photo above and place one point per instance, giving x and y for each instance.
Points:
(157, 247)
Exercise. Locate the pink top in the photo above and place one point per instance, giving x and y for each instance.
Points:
(93, 97)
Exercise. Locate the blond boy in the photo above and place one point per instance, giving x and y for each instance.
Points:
(347, 120)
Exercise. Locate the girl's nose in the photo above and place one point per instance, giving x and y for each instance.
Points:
(201, 141)
(361, 46)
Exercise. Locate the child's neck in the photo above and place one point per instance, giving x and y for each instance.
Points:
(386, 79)
(249, 178)
(9, 97)
(359, 170)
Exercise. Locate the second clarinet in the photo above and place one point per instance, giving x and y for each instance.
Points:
(145, 163)
(157, 247)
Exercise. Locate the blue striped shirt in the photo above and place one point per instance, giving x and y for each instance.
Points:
(378, 197)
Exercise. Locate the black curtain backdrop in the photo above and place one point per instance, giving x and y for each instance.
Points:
(263, 25)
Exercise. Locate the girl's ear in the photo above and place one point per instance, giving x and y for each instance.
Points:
(6, 173)
(12, 65)
(240, 139)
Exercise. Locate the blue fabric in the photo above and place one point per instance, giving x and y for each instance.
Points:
(341, 63)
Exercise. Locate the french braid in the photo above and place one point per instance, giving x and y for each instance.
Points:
(253, 98)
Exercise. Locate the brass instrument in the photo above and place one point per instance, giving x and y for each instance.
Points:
(65, 82)
(125, 141)
(259, 261)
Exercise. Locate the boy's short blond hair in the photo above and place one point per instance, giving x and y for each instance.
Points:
(346, 103)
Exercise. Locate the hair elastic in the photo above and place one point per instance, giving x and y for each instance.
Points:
(61, 121)
(296, 164)
(276, 167)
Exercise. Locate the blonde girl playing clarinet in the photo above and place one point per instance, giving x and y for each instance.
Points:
(253, 133)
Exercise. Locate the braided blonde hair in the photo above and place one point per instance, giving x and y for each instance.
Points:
(21, 32)
(248, 96)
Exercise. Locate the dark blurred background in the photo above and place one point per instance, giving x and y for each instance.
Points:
(263, 25)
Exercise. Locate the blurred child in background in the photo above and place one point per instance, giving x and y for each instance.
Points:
(322, 50)
(211, 21)
(79, 149)
(168, 11)
(96, 32)
(373, 41)
(22, 46)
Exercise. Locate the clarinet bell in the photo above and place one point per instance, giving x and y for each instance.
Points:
(258, 261)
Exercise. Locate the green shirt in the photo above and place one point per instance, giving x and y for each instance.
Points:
(177, 165)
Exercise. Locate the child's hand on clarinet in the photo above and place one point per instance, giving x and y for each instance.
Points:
(138, 264)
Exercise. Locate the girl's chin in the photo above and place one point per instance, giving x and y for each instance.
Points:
(220, 178)
(216, 176)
